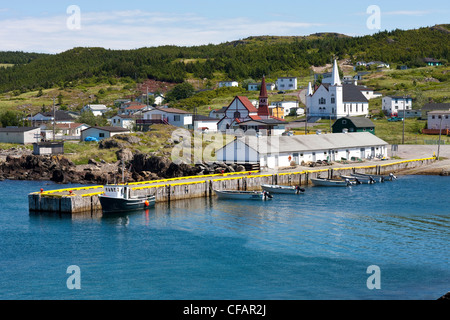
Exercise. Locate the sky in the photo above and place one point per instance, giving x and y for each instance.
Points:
(54, 26)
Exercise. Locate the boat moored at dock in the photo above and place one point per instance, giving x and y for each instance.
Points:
(118, 198)
(322, 182)
(243, 195)
(282, 189)
(380, 178)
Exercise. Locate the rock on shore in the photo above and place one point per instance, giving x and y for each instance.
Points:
(139, 167)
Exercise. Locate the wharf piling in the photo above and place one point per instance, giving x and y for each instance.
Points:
(85, 199)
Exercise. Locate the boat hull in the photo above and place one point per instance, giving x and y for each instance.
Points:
(330, 183)
(281, 189)
(241, 195)
(360, 179)
(110, 204)
(380, 178)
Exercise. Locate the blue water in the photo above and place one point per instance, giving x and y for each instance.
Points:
(293, 247)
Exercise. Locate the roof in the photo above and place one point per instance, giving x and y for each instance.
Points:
(247, 104)
(351, 93)
(332, 141)
(269, 121)
(136, 107)
(171, 110)
(399, 97)
(439, 112)
(263, 92)
(359, 122)
(436, 106)
(109, 129)
(60, 115)
(17, 129)
(431, 60)
(199, 117)
(222, 110)
(69, 125)
(96, 106)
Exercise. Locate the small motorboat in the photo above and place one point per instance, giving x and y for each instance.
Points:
(282, 189)
(380, 178)
(331, 182)
(243, 195)
(360, 179)
(118, 198)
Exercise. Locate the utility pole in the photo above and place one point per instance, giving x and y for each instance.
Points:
(54, 118)
(439, 142)
(403, 135)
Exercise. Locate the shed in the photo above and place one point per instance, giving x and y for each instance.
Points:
(20, 135)
(102, 132)
(46, 148)
(353, 124)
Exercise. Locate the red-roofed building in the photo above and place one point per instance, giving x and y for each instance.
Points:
(242, 114)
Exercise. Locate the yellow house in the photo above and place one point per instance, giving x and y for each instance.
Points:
(277, 112)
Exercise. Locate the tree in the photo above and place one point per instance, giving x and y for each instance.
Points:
(180, 91)
(90, 119)
(9, 118)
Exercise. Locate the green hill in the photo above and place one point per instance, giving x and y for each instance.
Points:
(238, 60)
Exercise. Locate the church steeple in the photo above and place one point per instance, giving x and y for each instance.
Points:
(263, 109)
(335, 79)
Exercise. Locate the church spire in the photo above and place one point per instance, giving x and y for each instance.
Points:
(310, 92)
(263, 109)
(335, 79)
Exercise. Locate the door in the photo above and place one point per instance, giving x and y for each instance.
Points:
(363, 153)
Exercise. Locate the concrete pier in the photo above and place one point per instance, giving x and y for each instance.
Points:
(85, 199)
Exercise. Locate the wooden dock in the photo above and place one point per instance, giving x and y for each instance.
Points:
(85, 199)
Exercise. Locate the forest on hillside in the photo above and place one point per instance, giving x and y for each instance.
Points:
(233, 60)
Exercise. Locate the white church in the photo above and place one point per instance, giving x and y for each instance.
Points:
(336, 100)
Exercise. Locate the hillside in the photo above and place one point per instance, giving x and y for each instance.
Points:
(274, 56)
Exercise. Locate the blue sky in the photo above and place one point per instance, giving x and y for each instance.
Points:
(48, 26)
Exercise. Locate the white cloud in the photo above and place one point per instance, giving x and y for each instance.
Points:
(134, 29)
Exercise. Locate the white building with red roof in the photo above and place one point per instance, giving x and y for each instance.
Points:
(242, 114)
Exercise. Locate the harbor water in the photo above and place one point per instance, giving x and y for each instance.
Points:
(323, 244)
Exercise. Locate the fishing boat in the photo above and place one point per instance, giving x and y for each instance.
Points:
(330, 182)
(243, 195)
(118, 198)
(359, 179)
(381, 178)
(282, 189)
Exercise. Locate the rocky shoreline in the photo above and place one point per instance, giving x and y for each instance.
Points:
(139, 167)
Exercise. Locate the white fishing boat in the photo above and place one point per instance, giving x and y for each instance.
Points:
(330, 182)
(380, 178)
(243, 195)
(282, 189)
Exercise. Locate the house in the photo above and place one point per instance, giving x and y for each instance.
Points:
(218, 113)
(20, 135)
(176, 117)
(101, 133)
(119, 102)
(223, 84)
(287, 83)
(369, 93)
(392, 104)
(133, 108)
(205, 123)
(335, 100)
(242, 114)
(432, 62)
(439, 119)
(432, 107)
(96, 109)
(378, 64)
(409, 114)
(289, 107)
(353, 124)
(279, 151)
(257, 86)
(67, 131)
(122, 121)
(59, 116)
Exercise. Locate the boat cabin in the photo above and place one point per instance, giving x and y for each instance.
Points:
(117, 191)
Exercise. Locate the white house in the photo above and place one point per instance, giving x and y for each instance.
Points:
(336, 100)
(217, 113)
(96, 109)
(122, 121)
(205, 123)
(369, 93)
(391, 105)
(20, 135)
(279, 151)
(68, 130)
(59, 116)
(287, 83)
(101, 133)
(173, 116)
(439, 119)
(228, 84)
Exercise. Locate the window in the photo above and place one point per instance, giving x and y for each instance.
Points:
(322, 101)
(176, 118)
(101, 135)
(333, 100)
(344, 121)
(432, 117)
